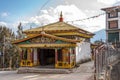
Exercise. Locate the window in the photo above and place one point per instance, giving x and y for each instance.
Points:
(113, 14)
(113, 24)
(113, 37)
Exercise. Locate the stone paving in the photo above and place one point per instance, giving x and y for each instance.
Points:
(84, 72)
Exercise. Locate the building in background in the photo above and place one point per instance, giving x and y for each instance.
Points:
(59, 44)
(112, 23)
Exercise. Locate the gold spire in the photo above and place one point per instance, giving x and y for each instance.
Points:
(61, 14)
(61, 17)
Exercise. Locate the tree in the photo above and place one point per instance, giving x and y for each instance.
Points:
(10, 56)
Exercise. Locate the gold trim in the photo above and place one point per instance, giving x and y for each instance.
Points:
(26, 63)
(57, 27)
(73, 33)
(47, 45)
(61, 64)
(46, 35)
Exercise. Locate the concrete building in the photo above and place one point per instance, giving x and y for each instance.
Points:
(112, 23)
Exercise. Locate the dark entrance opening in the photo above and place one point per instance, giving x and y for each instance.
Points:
(46, 56)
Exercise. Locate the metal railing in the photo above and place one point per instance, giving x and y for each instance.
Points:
(105, 55)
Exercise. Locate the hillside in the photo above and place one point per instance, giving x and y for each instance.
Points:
(99, 35)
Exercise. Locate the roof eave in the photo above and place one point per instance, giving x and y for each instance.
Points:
(50, 36)
(104, 9)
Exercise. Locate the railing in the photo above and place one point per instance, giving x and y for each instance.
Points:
(26, 63)
(104, 55)
(61, 64)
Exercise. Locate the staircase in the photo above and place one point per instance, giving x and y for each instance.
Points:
(43, 70)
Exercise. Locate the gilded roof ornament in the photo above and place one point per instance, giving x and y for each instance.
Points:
(61, 17)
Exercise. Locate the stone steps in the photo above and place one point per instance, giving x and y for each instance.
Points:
(44, 70)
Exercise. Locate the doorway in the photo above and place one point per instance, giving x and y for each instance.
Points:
(46, 56)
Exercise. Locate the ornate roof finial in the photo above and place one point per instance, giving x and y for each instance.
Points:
(61, 17)
(42, 32)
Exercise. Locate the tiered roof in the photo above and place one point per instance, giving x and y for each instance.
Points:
(57, 27)
(54, 31)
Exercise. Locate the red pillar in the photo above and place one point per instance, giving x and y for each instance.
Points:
(32, 55)
(21, 54)
(74, 52)
(56, 56)
(69, 54)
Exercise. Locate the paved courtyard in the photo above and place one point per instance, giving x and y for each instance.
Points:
(84, 72)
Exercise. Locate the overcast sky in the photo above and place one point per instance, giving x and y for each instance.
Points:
(30, 14)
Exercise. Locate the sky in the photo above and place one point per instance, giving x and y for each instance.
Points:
(12, 10)
(34, 13)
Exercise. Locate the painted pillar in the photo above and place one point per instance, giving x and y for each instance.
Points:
(74, 52)
(21, 54)
(65, 53)
(56, 57)
(24, 56)
(28, 53)
(32, 55)
(72, 58)
(69, 54)
(35, 56)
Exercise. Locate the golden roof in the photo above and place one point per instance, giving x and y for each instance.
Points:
(57, 27)
(49, 36)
